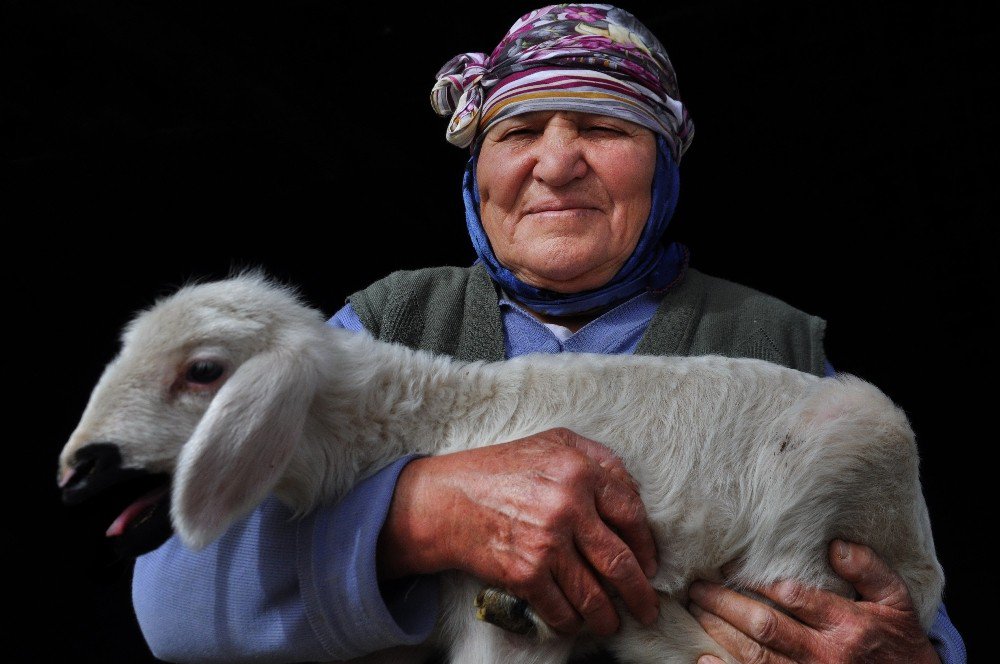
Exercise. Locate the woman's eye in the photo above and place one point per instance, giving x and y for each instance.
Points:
(604, 129)
(518, 132)
(204, 372)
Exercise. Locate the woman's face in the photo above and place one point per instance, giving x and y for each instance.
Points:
(565, 196)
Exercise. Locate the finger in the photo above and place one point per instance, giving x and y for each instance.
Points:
(599, 453)
(617, 498)
(614, 562)
(619, 505)
(736, 643)
(606, 459)
(586, 595)
(753, 621)
(552, 606)
(869, 575)
(820, 609)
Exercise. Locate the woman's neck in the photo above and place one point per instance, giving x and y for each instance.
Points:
(573, 322)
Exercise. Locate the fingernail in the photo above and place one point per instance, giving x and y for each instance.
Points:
(695, 610)
(843, 551)
(697, 591)
(709, 659)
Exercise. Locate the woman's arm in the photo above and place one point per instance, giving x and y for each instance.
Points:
(274, 589)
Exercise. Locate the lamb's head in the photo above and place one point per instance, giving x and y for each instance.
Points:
(205, 401)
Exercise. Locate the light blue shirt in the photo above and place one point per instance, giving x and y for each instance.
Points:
(274, 589)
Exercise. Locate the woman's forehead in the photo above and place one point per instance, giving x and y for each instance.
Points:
(575, 117)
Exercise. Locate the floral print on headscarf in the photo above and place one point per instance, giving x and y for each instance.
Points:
(591, 58)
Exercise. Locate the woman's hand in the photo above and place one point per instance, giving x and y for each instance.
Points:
(552, 518)
(882, 626)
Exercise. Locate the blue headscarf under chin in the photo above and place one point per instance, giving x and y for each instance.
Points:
(652, 265)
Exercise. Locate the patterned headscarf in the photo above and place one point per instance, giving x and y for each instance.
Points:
(574, 57)
(585, 58)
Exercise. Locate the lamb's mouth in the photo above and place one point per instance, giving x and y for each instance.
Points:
(142, 506)
(135, 503)
(144, 524)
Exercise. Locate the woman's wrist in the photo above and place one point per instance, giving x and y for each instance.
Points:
(929, 654)
(407, 543)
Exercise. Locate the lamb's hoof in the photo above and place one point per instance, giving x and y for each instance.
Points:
(502, 609)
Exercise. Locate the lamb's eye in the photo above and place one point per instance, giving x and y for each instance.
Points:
(204, 372)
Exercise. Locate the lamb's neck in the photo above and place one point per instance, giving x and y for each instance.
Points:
(386, 401)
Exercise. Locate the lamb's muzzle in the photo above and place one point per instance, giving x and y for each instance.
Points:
(96, 482)
(237, 390)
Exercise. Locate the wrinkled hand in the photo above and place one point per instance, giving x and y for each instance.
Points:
(549, 518)
(882, 626)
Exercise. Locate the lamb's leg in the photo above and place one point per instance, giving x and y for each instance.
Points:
(676, 638)
(489, 644)
(476, 641)
(398, 655)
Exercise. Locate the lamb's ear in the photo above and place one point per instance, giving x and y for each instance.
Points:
(242, 445)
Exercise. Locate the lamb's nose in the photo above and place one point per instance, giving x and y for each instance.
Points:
(93, 467)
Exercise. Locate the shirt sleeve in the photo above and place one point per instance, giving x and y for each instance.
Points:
(278, 589)
(947, 641)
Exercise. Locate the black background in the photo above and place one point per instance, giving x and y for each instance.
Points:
(843, 161)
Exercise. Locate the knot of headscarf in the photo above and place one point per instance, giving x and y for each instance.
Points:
(459, 93)
(591, 58)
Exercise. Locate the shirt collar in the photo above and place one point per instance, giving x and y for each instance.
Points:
(615, 331)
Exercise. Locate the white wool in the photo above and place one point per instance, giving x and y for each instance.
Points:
(736, 459)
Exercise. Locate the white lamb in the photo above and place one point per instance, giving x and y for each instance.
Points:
(236, 389)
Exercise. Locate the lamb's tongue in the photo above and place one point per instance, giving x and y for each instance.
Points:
(133, 511)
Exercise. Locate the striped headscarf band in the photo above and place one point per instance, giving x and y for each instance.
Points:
(589, 58)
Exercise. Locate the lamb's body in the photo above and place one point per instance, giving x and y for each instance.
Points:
(736, 459)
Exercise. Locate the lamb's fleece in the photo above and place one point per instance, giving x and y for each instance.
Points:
(737, 459)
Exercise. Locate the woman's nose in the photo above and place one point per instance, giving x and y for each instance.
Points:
(560, 158)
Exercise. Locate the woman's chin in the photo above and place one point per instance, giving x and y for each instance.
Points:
(568, 280)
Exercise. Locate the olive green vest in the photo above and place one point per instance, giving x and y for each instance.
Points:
(454, 311)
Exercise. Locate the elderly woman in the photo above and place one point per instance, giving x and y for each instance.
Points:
(576, 131)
